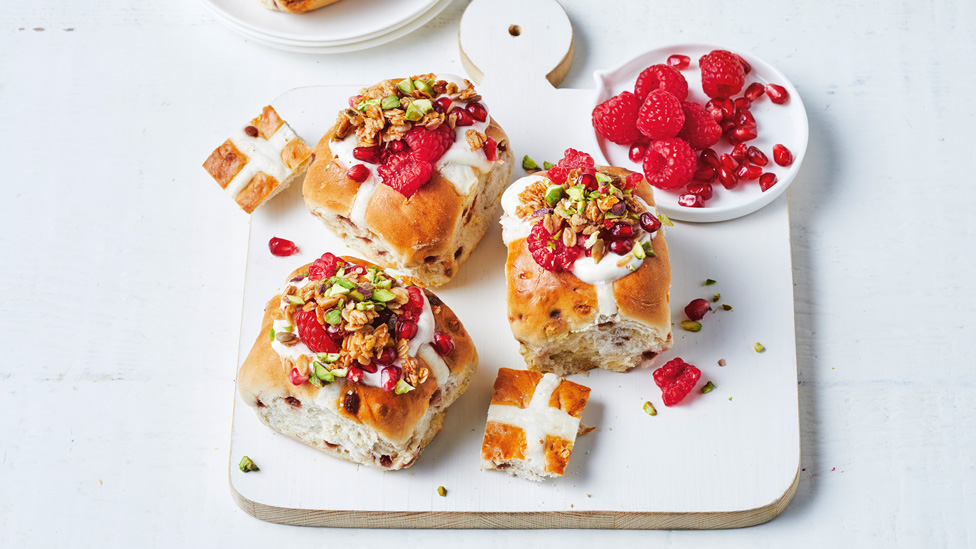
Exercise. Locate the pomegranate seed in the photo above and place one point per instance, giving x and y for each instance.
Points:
(397, 146)
(415, 298)
(389, 378)
(444, 104)
(691, 201)
(297, 378)
(742, 103)
(746, 67)
(728, 108)
(777, 94)
(679, 61)
(353, 100)
(756, 156)
(637, 151)
(754, 91)
(367, 154)
(766, 181)
(491, 149)
(745, 133)
(706, 174)
(748, 172)
(710, 157)
(621, 230)
(621, 247)
(727, 178)
(463, 117)
(442, 343)
(728, 126)
(714, 110)
(588, 180)
(745, 118)
(729, 162)
(371, 367)
(358, 173)
(697, 309)
(336, 333)
(477, 111)
(407, 329)
(739, 152)
(354, 374)
(282, 247)
(387, 356)
(782, 155)
(703, 190)
(649, 222)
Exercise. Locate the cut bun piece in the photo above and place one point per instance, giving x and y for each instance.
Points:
(427, 232)
(259, 161)
(357, 421)
(532, 424)
(296, 6)
(566, 325)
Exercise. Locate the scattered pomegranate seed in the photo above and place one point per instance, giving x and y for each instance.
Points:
(444, 104)
(387, 356)
(728, 107)
(282, 247)
(703, 190)
(706, 174)
(367, 154)
(748, 172)
(396, 146)
(491, 149)
(588, 180)
(649, 222)
(745, 118)
(766, 181)
(729, 162)
(782, 155)
(415, 298)
(746, 67)
(754, 91)
(742, 103)
(371, 367)
(745, 133)
(358, 173)
(354, 374)
(389, 378)
(477, 111)
(296, 378)
(777, 94)
(757, 157)
(739, 152)
(714, 110)
(691, 201)
(442, 343)
(727, 178)
(407, 329)
(679, 61)
(621, 230)
(353, 100)
(463, 117)
(622, 247)
(697, 309)
(710, 157)
(728, 126)
(637, 150)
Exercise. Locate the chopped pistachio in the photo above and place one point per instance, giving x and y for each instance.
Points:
(708, 387)
(323, 373)
(691, 325)
(357, 295)
(382, 295)
(650, 409)
(553, 195)
(441, 491)
(603, 178)
(384, 284)
(295, 300)
(708, 282)
(334, 316)
(365, 306)
(631, 268)
(402, 387)
(649, 249)
(726, 307)
(346, 283)
(247, 465)
(716, 297)
(340, 372)
(362, 105)
(417, 109)
(638, 251)
(271, 334)
(576, 192)
(529, 164)
(289, 328)
(665, 220)
(327, 358)
(338, 289)
(423, 86)
(406, 86)
(314, 380)
(758, 347)
(547, 165)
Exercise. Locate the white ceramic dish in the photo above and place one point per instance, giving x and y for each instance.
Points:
(786, 124)
(344, 20)
(333, 48)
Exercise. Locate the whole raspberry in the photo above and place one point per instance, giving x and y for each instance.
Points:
(722, 74)
(571, 160)
(429, 145)
(616, 118)
(313, 334)
(324, 267)
(661, 77)
(660, 116)
(669, 163)
(551, 254)
(676, 379)
(700, 130)
(405, 173)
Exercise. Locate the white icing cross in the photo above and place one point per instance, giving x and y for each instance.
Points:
(538, 419)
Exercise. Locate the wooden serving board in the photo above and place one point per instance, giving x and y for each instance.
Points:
(725, 459)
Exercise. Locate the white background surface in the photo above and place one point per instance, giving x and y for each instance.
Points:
(122, 265)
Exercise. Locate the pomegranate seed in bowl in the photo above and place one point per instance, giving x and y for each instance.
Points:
(782, 155)
(766, 181)
(754, 91)
(679, 61)
(690, 200)
(777, 94)
(756, 156)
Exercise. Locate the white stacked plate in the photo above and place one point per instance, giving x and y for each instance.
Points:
(347, 25)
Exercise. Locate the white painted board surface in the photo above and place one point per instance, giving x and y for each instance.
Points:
(733, 449)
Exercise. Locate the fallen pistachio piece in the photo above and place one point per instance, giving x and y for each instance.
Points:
(271, 334)
(650, 409)
(716, 297)
(547, 165)
(665, 220)
(726, 307)
(758, 347)
(691, 325)
(529, 164)
(708, 282)
(708, 387)
(247, 465)
(441, 491)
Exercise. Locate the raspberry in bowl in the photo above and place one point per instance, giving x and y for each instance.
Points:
(708, 134)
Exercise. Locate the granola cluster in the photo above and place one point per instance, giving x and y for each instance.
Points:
(387, 111)
(353, 319)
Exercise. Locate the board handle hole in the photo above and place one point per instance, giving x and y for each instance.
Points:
(514, 30)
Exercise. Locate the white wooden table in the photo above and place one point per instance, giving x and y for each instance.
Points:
(120, 292)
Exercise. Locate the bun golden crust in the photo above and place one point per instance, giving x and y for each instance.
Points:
(296, 6)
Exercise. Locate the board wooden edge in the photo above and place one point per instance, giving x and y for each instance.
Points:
(521, 520)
